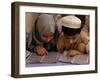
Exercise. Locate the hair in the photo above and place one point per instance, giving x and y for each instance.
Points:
(71, 31)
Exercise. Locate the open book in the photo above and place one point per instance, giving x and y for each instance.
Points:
(54, 57)
(78, 59)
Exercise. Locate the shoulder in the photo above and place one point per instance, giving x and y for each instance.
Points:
(84, 37)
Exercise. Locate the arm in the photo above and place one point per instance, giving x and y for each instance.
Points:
(60, 43)
(81, 49)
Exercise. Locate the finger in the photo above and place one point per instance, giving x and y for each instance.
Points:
(45, 51)
(40, 52)
(70, 53)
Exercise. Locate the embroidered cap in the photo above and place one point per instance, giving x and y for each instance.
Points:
(71, 22)
(71, 25)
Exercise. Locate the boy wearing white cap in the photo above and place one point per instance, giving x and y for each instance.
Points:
(72, 39)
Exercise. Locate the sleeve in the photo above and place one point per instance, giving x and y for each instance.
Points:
(30, 43)
(82, 47)
(84, 37)
(84, 41)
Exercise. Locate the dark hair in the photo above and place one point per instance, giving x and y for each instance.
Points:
(71, 31)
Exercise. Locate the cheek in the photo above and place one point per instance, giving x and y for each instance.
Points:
(44, 39)
(47, 39)
(67, 40)
(71, 41)
(51, 38)
(75, 40)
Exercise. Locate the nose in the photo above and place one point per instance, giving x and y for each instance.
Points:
(70, 41)
(48, 39)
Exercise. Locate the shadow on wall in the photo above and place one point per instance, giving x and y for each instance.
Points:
(30, 19)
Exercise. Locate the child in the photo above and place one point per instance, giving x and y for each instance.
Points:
(71, 39)
(43, 37)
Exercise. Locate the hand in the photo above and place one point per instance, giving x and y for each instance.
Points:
(41, 50)
(73, 53)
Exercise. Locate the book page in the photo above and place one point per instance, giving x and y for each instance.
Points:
(80, 59)
(54, 57)
(64, 58)
(32, 58)
(51, 57)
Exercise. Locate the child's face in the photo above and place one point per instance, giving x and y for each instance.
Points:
(47, 37)
(72, 39)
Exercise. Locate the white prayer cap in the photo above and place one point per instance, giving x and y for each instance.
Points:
(71, 21)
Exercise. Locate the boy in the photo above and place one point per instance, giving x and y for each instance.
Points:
(72, 40)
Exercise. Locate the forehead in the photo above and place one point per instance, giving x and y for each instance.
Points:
(74, 36)
(48, 34)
